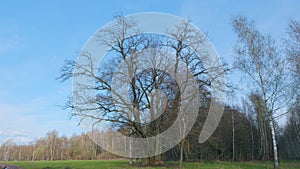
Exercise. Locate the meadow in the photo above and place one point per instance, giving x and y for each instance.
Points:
(123, 164)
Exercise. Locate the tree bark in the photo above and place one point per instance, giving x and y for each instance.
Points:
(274, 142)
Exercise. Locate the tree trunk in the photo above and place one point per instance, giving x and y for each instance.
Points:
(20, 155)
(274, 142)
(233, 136)
(181, 154)
(252, 142)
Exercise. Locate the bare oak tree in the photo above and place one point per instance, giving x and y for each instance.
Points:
(143, 116)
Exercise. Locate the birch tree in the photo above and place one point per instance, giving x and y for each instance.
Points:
(259, 59)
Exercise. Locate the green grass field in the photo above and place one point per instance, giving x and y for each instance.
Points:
(123, 164)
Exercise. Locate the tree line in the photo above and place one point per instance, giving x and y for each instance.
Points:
(240, 136)
(54, 147)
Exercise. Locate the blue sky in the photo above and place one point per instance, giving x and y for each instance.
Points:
(37, 36)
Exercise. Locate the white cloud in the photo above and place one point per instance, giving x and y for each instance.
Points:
(13, 133)
(17, 121)
(19, 137)
(25, 122)
(18, 140)
(18, 133)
